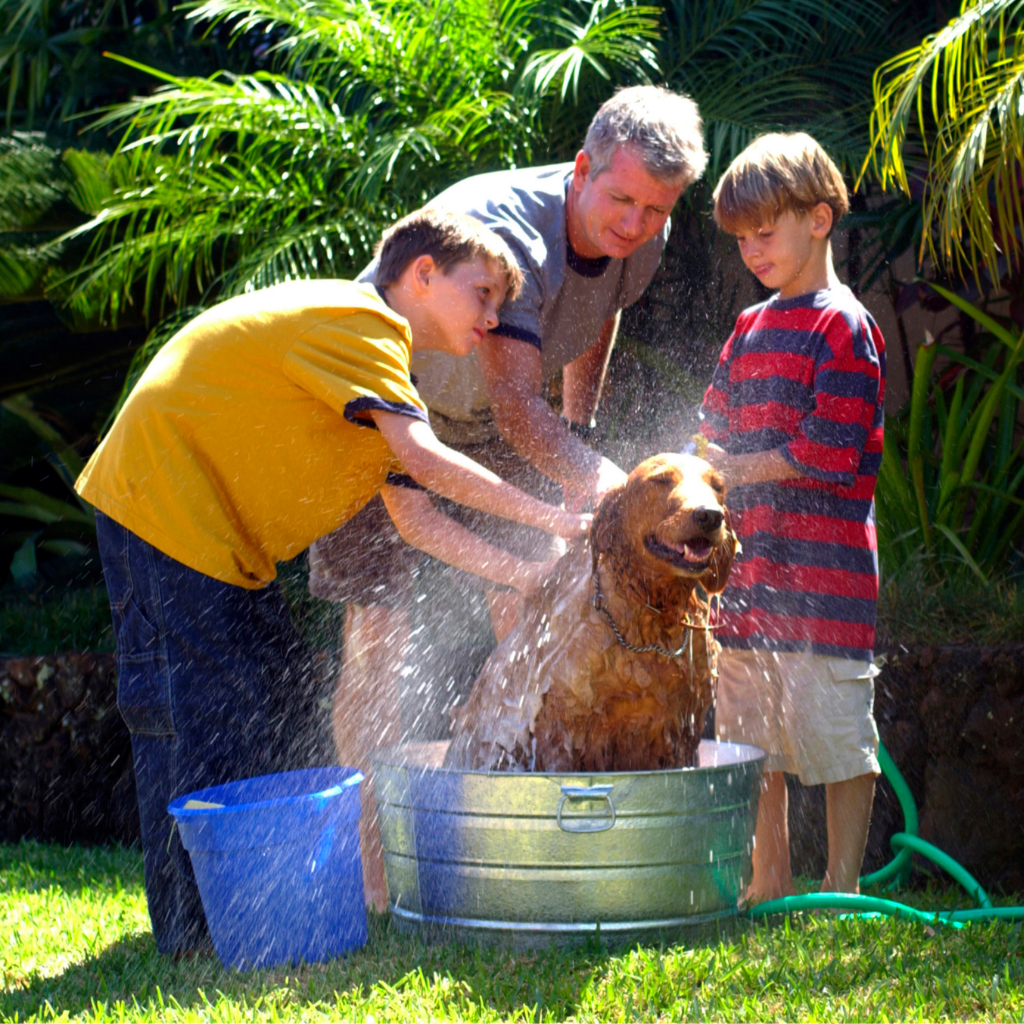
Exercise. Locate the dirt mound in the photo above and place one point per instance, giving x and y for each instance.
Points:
(65, 754)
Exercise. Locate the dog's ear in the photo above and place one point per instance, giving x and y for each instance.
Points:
(606, 526)
(717, 574)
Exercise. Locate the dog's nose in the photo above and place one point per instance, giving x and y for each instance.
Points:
(707, 520)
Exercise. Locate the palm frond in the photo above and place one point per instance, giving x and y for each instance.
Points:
(43, 193)
(335, 248)
(948, 125)
(370, 110)
(22, 270)
(736, 30)
(27, 186)
(762, 65)
(611, 38)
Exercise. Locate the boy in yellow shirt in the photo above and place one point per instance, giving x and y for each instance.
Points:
(262, 425)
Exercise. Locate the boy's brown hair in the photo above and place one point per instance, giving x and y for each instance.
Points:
(448, 239)
(777, 173)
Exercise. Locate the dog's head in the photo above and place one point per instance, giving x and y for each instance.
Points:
(669, 521)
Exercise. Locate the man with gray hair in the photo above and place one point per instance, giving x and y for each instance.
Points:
(588, 236)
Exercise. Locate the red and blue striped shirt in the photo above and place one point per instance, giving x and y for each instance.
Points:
(806, 377)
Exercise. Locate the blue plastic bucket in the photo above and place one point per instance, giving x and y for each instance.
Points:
(278, 865)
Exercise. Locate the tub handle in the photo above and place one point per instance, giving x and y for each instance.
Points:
(586, 824)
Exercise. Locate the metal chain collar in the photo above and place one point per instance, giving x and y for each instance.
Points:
(686, 647)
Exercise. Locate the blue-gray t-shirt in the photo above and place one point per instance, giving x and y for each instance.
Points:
(565, 298)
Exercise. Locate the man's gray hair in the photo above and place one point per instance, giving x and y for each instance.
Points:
(664, 126)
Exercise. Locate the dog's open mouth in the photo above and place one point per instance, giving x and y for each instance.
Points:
(692, 555)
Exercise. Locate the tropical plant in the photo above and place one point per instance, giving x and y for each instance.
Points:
(52, 63)
(44, 193)
(245, 180)
(952, 474)
(54, 179)
(757, 65)
(44, 523)
(39, 40)
(947, 129)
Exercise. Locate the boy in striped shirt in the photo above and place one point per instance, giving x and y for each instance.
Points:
(794, 420)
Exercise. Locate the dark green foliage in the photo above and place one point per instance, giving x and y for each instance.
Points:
(918, 606)
(762, 65)
(52, 621)
(44, 193)
(54, 63)
(62, 526)
(952, 477)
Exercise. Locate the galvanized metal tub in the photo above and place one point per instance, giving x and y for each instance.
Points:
(531, 859)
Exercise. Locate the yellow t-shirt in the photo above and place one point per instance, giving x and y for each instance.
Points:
(248, 436)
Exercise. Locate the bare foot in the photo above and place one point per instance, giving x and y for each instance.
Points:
(376, 900)
(375, 888)
(761, 894)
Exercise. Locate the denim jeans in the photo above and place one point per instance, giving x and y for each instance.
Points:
(212, 680)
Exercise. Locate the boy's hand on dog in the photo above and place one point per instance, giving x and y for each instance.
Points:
(570, 525)
(574, 499)
(719, 458)
(755, 468)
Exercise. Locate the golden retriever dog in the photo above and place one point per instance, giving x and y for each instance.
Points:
(613, 662)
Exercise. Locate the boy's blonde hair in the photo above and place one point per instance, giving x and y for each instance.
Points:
(448, 239)
(777, 173)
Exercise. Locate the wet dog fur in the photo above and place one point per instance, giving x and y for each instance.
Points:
(560, 693)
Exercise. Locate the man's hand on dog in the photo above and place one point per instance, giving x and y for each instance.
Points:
(607, 477)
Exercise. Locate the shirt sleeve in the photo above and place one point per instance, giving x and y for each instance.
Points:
(520, 319)
(355, 364)
(714, 410)
(831, 438)
(397, 478)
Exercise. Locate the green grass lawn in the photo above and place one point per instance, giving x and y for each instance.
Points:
(75, 944)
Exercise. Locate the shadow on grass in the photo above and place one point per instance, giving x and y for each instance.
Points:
(32, 866)
(134, 973)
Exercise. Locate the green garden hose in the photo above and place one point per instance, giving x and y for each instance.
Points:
(899, 866)
(904, 845)
(937, 856)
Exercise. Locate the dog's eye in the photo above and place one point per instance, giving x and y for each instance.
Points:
(663, 481)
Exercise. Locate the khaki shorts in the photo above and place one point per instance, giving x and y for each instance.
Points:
(810, 714)
(366, 562)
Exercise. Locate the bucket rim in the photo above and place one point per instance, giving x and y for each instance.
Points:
(177, 806)
(756, 754)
